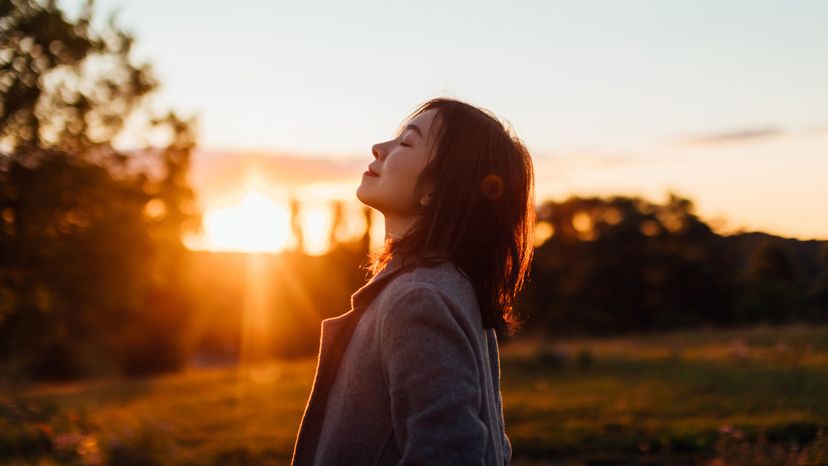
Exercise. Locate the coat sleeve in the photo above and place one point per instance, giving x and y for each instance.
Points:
(433, 381)
(494, 357)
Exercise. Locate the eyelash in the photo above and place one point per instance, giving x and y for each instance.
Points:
(404, 144)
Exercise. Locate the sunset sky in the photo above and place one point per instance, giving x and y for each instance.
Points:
(722, 102)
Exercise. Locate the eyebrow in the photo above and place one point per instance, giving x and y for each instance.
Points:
(415, 128)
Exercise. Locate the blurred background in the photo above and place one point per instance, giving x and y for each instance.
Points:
(177, 215)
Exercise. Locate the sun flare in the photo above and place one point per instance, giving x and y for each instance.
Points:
(255, 224)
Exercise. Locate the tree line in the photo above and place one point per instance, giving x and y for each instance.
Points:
(626, 264)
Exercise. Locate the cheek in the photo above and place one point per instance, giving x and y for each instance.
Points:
(405, 178)
(406, 170)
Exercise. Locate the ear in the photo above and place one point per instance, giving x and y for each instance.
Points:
(425, 199)
(426, 191)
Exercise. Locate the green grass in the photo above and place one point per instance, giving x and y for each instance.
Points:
(194, 418)
(736, 397)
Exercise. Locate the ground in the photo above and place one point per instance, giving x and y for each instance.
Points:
(716, 397)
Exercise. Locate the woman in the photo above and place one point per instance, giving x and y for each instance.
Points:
(411, 374)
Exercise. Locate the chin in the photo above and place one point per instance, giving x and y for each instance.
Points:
(365, 199)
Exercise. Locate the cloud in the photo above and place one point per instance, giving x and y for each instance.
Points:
(581, 160)
(289, 170)
(739, 135)
(216, 173)
(610, 160)
(815, 130)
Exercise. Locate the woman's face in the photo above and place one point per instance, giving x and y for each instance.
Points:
(389, 184)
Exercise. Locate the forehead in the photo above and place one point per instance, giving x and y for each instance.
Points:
(420, 124)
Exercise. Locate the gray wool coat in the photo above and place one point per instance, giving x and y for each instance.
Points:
(408, 376)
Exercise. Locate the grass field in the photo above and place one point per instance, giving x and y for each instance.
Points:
(720, 397)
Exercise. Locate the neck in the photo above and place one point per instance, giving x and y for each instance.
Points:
(396, 227)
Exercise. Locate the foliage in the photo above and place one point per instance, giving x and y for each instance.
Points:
(625, 264)
(89, 234)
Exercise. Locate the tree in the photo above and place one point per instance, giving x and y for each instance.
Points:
(90, 235)
(771, 289)
(296, 224)
(623, 264)
(820, 287)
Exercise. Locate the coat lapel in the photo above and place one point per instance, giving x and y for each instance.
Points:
(335, 335)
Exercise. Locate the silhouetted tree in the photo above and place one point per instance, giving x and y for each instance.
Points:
(772, 261)
(337, 220)
(771, 292)
(820, 289)
(366, 236)
(622, 264)
(296, 224)
(90, 235)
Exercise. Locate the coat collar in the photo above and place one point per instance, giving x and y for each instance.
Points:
(335, 336)
(363, 296)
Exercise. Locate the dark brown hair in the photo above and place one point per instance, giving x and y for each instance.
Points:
(481, 216)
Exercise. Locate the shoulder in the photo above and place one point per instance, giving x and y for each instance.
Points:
(433, 289)
(444, 279)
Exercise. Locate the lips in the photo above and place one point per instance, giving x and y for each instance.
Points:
(370, 172)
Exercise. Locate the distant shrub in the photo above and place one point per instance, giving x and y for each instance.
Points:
(145, 448)
(585, 359)
(22, 441)
(236, 457)
(800, 433)
(695, 442)
(242, 456)
(552, 358)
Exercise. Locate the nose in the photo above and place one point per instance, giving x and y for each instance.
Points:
(377, 150)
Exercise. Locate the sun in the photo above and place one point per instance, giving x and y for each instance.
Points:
(255, 224)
